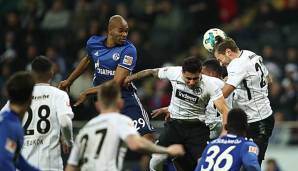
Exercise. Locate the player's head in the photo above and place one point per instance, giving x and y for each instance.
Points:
(237, 122)
(109, 97)
(191, 71)
(211, 67)
(118, 29)
(225, 51)
(19, 88)
(42, 69)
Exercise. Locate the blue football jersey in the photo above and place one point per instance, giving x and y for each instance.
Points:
(11, 142)
(229, 153)
(107, 59)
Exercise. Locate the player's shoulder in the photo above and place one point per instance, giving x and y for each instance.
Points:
(212, 81)
(128, 43)
(55, 91)
(95, 39)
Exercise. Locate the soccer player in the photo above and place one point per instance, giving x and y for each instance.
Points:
(232, 151)
(248, 78)
(213, 119)
(190, 96)
(114, 58)
(49, 114)
(19, 88)
(100, 144)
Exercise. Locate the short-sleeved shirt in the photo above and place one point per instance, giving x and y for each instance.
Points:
(212, 114)
(107, 59)
(229, 152)
(248, 75)
(100, 143)
(42, 127)
(187, 103)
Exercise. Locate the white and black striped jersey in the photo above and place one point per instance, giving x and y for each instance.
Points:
(187, 103)
(212, 114)
(100, 146)
(42, 127)
(248, 75)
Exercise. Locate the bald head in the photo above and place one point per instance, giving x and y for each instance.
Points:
(117, 30)
(116, 21)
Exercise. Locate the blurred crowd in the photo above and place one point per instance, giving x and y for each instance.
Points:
(164, 32)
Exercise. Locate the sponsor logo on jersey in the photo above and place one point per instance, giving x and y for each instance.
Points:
(253, 149)
(103, 71)
(10, 145)
(116, 56)
(127, 60)
(186, 96)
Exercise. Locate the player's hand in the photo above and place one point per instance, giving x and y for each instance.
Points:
(65, 148)
(81, 99)
(161, 111)
(64, 85)
(176, 150)
(127, 81)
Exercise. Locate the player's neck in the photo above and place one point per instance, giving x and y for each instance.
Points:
(110, 43)
(109, 110)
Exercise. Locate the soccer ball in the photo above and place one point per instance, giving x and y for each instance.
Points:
(209, 39)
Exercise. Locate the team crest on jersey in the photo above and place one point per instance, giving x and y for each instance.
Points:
(116, 56)
(197, 90)
(11, 145)
(127, 60)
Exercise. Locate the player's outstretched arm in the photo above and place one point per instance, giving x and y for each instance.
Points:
(161, 111)
(138, 143)
(65, 84)
(222, 107)
(71, 168)
(227, 90)
(140, 75)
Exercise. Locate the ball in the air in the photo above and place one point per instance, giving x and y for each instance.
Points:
(209, 39)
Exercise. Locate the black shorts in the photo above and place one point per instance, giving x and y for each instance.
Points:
(192, 135)
(260, 132)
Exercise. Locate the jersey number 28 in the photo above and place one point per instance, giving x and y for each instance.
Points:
(212, 152)
(43, 114)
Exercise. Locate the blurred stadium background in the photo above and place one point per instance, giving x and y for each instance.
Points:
(164, 31)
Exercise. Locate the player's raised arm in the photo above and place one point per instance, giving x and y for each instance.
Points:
(65, 84)
(141, 74)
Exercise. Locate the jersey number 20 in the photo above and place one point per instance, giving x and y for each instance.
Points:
(215, 164)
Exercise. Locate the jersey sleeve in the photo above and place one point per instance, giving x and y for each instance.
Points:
(5, 107)
(214, 91)
(125, 127)
(128, 58)
(249, 156)
(63, 105)
(88, 48)
(236, 73)
(75, 153)
(168, 72)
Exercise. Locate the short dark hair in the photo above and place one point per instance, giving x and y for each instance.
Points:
(237, 120)
(223, 44)
(191, 64)
(214, 65)
(108, 93)
(41, 64)
(19, 87)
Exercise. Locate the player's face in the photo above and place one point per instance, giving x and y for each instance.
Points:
(119, 33)
(222, 58)
(191, 79)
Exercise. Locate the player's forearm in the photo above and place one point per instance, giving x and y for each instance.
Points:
(66, 129)
(143, 74)
(79, 69)
(148, 146)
